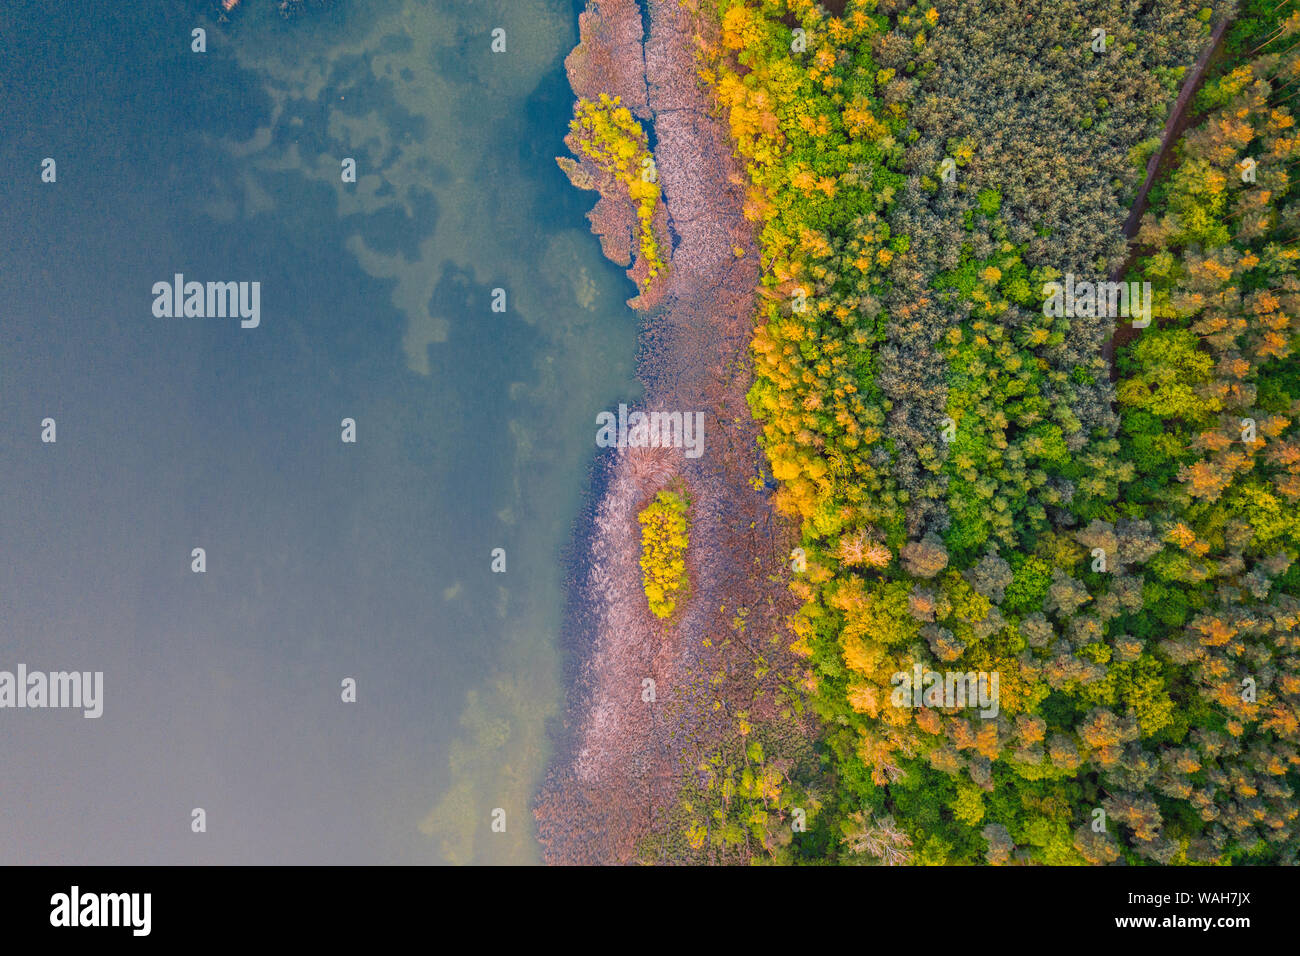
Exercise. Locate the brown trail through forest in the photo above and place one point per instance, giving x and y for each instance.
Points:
(1179, 119)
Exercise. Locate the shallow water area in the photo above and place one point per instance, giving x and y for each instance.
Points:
(324, 559)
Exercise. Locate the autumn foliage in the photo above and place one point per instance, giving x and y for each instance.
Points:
(976, 492)
(606, 133)
(664, 538)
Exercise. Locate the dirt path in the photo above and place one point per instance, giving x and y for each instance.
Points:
(1179, 119)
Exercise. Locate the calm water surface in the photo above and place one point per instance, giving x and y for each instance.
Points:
(325, 560)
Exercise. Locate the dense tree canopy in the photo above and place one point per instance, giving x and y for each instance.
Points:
(976, 493)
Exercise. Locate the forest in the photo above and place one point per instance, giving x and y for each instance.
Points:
(1101, 512)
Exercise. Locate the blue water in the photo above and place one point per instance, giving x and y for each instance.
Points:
(325, 560)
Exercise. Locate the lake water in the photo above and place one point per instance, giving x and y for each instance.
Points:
(324, 560)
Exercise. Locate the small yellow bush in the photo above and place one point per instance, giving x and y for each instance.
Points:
(664, 536)
(609, 135)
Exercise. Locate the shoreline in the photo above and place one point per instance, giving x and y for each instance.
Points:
(617, 767)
